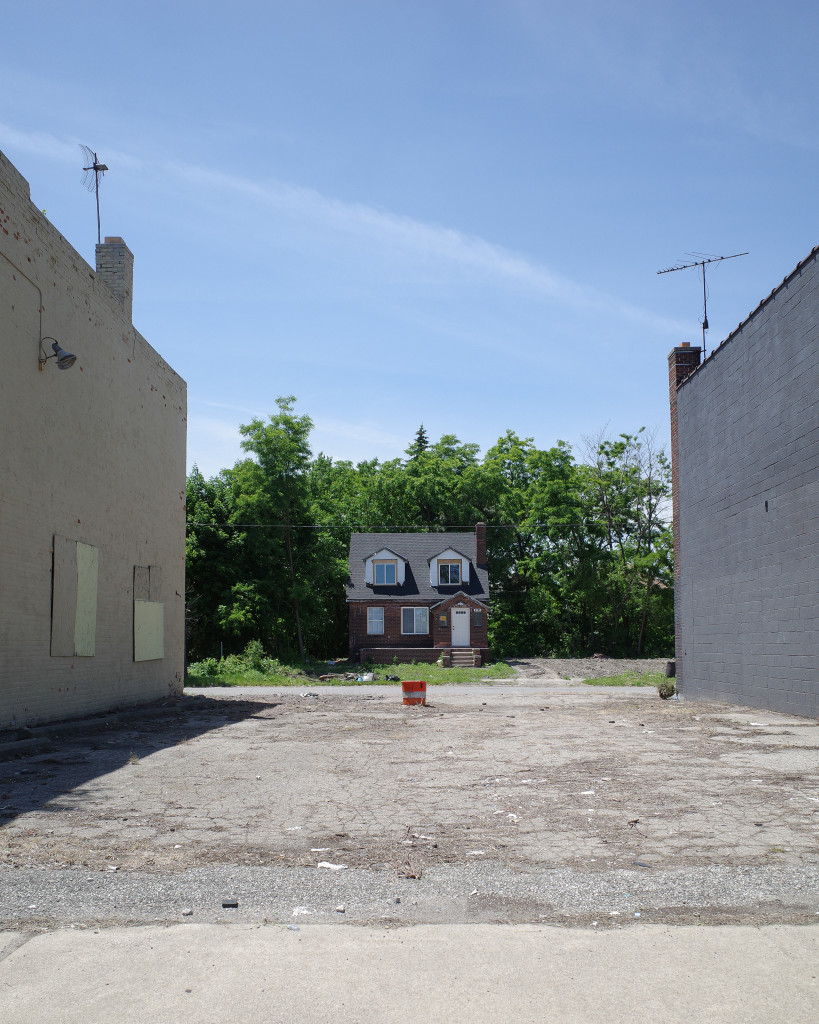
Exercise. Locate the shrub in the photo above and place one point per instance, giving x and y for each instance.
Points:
(230, 665)
(254, 655)
(208, 667)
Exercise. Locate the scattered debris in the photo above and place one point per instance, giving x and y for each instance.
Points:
(301, 911)
(187, 912)
(230, 904)
(407, 870)
(341, 909)
(332, 867)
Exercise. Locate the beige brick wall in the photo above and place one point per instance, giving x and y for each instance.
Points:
(94, 454)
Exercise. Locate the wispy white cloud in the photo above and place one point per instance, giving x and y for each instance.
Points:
(245, 410)
(66, 151)
(373, 433)
(492, 264)
(214, 443)
(39, 144)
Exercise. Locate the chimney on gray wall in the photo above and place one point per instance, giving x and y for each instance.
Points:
(682, 361)
(480, 544)
(115, 266)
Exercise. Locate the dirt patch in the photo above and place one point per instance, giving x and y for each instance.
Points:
(585, 668)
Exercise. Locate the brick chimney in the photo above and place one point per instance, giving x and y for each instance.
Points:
(682, 361)
(480, 544)
(115, 266)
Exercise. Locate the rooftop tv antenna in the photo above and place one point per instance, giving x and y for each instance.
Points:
(91, 179)
(706, 259)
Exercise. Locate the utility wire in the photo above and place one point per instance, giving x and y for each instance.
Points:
(398, 529)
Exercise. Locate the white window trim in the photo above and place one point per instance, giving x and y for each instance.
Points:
(375, 632)
(415, 632)
(385, 561)
(450, 562)
(448, 555)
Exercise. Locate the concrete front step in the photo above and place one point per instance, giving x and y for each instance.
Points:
(465, 658)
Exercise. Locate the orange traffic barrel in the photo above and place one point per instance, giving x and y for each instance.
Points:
(415, 692)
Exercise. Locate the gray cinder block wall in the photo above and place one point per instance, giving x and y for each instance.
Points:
(747, 508)
(92, 482)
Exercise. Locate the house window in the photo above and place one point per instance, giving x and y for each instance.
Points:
(477, 617)
(384, 573)
(415, 620)
(375, 620)
(449, 573)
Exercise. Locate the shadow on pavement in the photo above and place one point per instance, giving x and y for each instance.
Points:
(80, 751)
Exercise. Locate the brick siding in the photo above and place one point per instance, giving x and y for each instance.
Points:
(438, 637)
(747, 508)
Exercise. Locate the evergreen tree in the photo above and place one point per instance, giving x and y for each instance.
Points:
(419, 445)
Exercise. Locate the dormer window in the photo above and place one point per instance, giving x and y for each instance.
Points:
(385, 568)
(449, 573)
(449, 568)
(385, 573)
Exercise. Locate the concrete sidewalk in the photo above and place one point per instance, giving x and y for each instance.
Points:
(452, 974)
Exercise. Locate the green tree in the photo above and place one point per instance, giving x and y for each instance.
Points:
(272, 490)
(211, 559)
(419, 445)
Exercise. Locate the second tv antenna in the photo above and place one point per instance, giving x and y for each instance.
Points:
(702, 263)
(91, 179)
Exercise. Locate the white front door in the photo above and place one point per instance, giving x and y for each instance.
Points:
(460, 627)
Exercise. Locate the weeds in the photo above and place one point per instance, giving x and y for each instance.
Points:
(630, 679)
(253, 668)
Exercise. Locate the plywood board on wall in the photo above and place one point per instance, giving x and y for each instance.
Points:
(85, 623)
(149, 630)
(63, 597)
(74, 599)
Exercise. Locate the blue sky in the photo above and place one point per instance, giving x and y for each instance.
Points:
(449, 213)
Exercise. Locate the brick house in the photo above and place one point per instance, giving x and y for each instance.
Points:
(419, 597)
(745, 472)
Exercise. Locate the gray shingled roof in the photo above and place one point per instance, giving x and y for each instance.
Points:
(417, 549)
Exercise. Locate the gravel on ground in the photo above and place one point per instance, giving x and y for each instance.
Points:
(539, 800)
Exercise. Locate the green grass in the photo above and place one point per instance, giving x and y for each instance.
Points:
(278, 674)
(630, 679)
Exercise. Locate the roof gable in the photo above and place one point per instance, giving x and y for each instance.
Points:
(416, 554)
(384, 553)
(448, 553)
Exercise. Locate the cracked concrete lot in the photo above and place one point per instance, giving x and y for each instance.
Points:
(538, 800)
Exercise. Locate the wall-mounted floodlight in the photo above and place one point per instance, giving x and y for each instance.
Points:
(64, 359)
